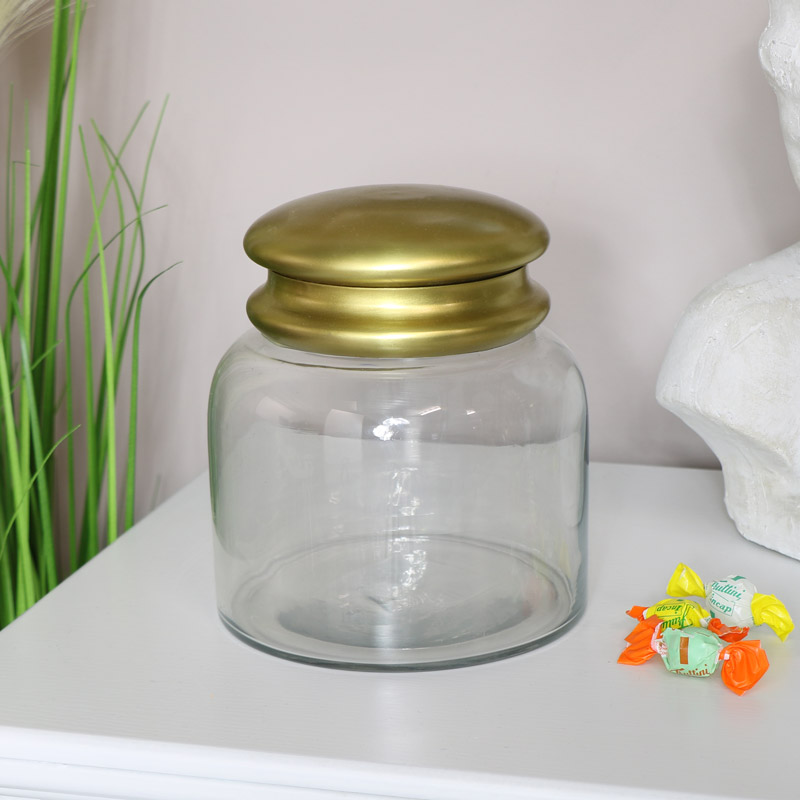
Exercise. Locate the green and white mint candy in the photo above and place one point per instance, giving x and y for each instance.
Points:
(730, 600)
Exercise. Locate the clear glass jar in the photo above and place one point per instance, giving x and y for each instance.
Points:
(393, 511)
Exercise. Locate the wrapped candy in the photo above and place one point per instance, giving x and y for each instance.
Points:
(695, 651)
(733, 600)
(679, 613)
(641, 642)
(673, 613)
(698, 652)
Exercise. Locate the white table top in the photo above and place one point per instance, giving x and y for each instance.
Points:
(123, 683)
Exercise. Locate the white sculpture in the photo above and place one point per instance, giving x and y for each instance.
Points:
(732, 371)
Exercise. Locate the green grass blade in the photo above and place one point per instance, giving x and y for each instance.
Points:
(11, 200)
(7, 605)
(12, 449)
(151, 150)
(113, 161)
(130, 478)
(26, 571)
(25, 595)
(48, 186)
(54, 288)
(110, 439)
(90, 536)
(34, 478)
(72, 525)
(36, 363)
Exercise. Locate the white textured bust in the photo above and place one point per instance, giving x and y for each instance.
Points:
(732, 371)
(780, 59)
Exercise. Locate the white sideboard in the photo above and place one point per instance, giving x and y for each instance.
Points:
(122, 683)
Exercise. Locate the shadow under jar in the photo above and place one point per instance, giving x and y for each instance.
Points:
(398, 449)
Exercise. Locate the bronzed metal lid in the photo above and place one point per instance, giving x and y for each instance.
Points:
(397, 271)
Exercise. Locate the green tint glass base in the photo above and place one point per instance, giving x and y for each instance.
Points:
(419, 603)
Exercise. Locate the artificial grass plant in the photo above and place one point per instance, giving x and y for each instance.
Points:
(59, 391)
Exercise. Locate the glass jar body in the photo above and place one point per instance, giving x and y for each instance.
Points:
(399, 513)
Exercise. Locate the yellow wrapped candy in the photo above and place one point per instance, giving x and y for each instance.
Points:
(674, 613)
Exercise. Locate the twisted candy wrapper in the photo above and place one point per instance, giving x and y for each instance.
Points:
(641, 642)
(694, 651)
(698, 652)
(734, 600)
(679, 613)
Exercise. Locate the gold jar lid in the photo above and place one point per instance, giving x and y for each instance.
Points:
(397, 271)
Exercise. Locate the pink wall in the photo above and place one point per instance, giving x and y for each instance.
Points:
(642, 132)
